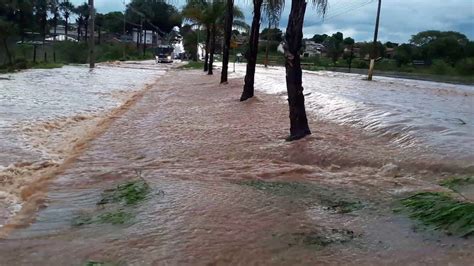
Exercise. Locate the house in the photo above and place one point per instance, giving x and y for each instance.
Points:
(147, 36)
(313, 48)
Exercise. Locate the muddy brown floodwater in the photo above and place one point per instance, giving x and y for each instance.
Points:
(327, 199)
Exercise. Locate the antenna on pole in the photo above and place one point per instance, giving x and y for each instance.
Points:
(91, 31)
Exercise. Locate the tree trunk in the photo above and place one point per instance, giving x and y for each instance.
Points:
(294, 34)
(227, 35)
(212, 50)
(252, 52)
(208, 40)
(99, 41)
(144, 43)
(7, 51)
(86, 28)
(78, 32)
(65, 28)
(55, 21)
(267, 44)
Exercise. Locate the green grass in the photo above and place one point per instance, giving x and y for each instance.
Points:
(456, 182)
(116, 204)
(129, 193)
(116, 217)
(193, 65)
(441, 211)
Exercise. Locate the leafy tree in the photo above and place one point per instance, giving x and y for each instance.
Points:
(7, 30)
(426, 37)
(112, 22)
(348, 41)
(319, 38)
(272, 34)
(391, 45)
(404, 54)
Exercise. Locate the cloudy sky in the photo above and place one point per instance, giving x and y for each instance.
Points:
(355, 18)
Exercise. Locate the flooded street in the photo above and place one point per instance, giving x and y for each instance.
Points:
(224, 186)
(45, 112)
(434, 118)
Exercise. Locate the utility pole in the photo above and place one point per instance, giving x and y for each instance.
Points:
(91, 31)
(123, 37)
(374, 51)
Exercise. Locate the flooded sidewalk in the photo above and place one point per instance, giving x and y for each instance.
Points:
(223, 187)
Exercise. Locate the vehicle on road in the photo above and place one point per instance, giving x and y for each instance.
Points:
(164, 54)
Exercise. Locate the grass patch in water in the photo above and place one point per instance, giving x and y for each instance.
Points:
(117, 202)
(117, 217)
(129, 193)
(455, 182)
(442, 212)
(329, 199)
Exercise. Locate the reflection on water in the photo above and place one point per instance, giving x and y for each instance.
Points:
(417, 114)
(44, 111)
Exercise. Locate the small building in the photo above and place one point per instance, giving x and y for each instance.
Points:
(313, 48)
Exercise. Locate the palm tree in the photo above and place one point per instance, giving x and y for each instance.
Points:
(195, 12)
(293, 42)
(66, 8)
(229, 17)
(54, 10)
(210, 14)
(273, 10)
(82, 20)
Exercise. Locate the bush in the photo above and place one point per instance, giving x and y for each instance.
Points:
(465, 66)
(440, 67)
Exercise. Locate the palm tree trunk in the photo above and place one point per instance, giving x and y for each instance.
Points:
(267, 44)
(229, 17)
(252, 53)
(7, 51)
(294, 34)
(212, 49)
(208, 40)
(65, 28)
(144, 42)
(100, 34)
(78, 32)
(86, 28)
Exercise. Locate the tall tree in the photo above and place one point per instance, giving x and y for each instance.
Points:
(82, 20)
(229, 17)
(66, 9)
(293, 43)
(273, 10)
(53, 7)
(7, 29)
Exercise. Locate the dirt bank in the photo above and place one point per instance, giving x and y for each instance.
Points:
(227, 189)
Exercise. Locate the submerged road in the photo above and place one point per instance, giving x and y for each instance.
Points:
(225, 188)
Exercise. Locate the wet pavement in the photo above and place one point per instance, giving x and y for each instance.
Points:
(227, 189)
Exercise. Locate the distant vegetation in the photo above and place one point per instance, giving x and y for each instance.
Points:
(47, 33)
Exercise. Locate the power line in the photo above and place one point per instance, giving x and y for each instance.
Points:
(353, 7)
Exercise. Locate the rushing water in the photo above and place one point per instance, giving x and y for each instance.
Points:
(42, 111)
(204, 156)
(429, 116)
